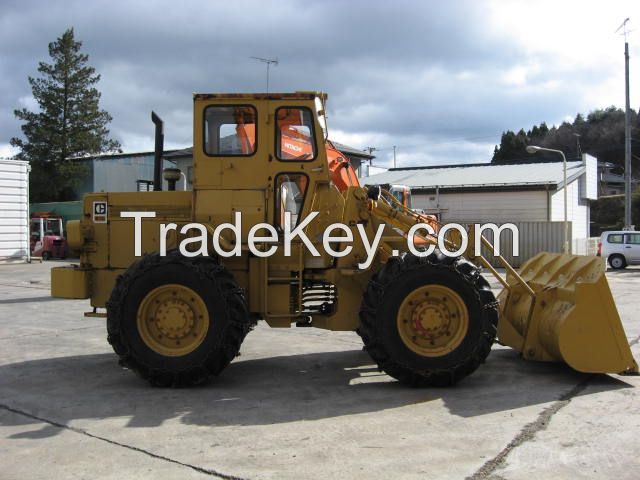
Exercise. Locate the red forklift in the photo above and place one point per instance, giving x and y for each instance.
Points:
(47, 236)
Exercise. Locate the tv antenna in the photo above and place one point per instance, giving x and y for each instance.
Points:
(623, 27)
(269, 62)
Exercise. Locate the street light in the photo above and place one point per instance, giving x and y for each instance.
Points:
(535, 149)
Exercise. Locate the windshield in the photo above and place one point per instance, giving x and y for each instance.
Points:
(52, 227)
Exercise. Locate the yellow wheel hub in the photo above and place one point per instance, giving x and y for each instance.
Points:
(433, 320)
(173, 320)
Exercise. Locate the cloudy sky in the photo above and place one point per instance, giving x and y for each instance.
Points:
(439, 79)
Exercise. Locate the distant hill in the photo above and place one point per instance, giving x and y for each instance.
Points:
(601, 134)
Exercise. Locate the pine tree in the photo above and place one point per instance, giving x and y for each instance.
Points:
(68, 125)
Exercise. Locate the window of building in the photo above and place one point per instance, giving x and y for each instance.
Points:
(295, 137)
(230, 130)
(290, 192)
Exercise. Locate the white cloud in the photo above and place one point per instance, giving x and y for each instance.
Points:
(28, 102)
(429, 77)
(7, 151)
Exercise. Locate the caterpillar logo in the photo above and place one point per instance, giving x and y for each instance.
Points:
(100, 212)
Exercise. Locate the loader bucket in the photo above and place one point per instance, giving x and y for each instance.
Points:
(572, 317)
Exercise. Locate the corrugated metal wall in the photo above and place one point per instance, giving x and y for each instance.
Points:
(524, 205)
(14, 210)
(114, 174)
(533, 238)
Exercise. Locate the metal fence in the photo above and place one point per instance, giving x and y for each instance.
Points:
(533, 238)
(586, 246)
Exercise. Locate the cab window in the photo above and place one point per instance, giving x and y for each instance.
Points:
(290, 192)
(615, 238)
(295, 136)
(633, 238)
(52, 227)
(230, 130)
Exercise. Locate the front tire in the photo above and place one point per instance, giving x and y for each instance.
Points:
(176, 321)
(428, 321)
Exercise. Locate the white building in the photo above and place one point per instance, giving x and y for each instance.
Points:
(481, 193)
(14, 210)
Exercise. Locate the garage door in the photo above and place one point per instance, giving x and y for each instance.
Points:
(14, 208)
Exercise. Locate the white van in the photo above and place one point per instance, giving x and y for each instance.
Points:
(620, 248)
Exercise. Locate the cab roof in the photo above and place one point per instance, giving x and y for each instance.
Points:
(261, 96)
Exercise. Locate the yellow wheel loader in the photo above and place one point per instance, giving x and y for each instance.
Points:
(184, 276)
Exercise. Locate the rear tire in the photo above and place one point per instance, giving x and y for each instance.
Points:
(46, 255)
(440, 351)
(183, 339)
(617, 262)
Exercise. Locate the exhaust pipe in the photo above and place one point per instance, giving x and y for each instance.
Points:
(159, 148)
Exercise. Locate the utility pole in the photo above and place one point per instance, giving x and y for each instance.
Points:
(371, 150)
(627, 133)
(394, 156)
(269, 62)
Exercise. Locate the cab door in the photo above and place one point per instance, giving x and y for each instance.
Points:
(300, 174)
(632, 247)
(296, 154)
(231, 161)
(37, 236)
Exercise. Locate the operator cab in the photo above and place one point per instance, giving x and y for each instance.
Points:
(401, 193)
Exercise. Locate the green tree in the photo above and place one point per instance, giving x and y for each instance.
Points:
(68, 124)
(600, 133)
(608, 213)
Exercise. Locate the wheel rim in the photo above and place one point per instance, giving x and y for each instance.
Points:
(616, 262)
(173, 320)
(432, 320)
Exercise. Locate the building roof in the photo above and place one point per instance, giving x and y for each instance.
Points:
(115, 156)
(484, 175)
(182, 153)
(347, 150)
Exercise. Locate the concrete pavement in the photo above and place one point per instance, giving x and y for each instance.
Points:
(298, 403)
